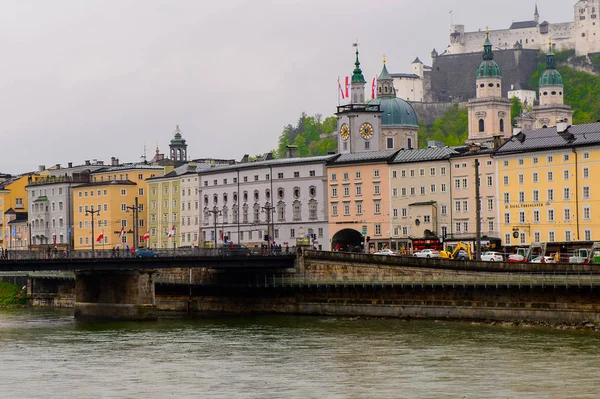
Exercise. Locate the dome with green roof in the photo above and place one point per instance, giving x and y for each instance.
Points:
(394, 111)
(488, 67)
(551, 77)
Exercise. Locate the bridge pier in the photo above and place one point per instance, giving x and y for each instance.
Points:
(115, 295)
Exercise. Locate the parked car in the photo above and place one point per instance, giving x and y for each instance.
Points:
(491, 256)
(543, 259)
(145, 253)
(385, 252)
(427, 253)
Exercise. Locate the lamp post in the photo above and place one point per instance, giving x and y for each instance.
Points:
(92, 212)
(134, 218)
(215, 212)
(269, 210)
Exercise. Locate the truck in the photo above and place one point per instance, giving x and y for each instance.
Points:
(585, 255)
(461, 251)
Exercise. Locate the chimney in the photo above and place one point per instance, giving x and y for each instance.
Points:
(561, 126)
(245, 158)
(57, 166)
(268, 156)
(87, 162)
(497, 141)
(292, 151)
(516, 130)
(101, 163)
(42, 168)
(70, 164)
(114, 161)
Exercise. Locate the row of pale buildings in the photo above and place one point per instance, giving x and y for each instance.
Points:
(379, 190)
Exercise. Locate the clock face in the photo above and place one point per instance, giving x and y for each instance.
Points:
(345, 132)
(366, 131)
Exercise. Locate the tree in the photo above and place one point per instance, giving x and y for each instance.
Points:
(516, 109)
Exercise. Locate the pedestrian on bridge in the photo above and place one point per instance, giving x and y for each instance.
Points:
(127, 250)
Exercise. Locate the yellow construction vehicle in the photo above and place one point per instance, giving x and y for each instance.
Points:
(461, 251)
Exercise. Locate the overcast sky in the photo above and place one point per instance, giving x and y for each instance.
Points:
(94, 79)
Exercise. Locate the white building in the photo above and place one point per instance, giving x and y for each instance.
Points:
(281, 198)
(411, 86)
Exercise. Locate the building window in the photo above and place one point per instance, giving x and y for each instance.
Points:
(334, 210)
(567, 212)
(490, 204)
(534, 160)
(297, 210)
(587, 235)
(507, 239)
(506, 217)
(567, 235)
(443, 187)
(481, 126)
(521, 216)
(390, 142)
(312, 210)
(443, 170)
(346, 209)
(376, 174)
(376, 189)
(536, 196)
(359, 190)
(333, 176)
(535, 177)
(521, 196)
(586, 192)
(490, 225)
(566, 174)
(359, 208)
(377, 205)
(506, 197)
(550, 176)
(520, 162)
(377, 229)
(550, 194)
(551, 215)
(586, 173)
(566, 193)
(586, 213)
(521, 179)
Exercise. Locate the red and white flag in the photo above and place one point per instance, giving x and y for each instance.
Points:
(122, 233)
(171, 232)
(146, 236)
(347, 87)
(341, 90)
(100, 237)
(374, 88)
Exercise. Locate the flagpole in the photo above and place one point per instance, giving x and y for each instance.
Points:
(337, 89)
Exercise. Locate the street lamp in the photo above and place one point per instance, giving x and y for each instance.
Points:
(134, 218)
(92, 212)
(269, 210)
(215, 212)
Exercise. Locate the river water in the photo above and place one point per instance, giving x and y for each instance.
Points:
(47, 354)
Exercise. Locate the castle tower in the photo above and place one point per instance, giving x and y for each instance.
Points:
(178, 147)
(489, 112)
(357, 86)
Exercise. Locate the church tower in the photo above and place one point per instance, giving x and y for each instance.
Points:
(489, 112)
(178, 147)
(536, 15)
(357, 86)
(359, 124)
(552, 107)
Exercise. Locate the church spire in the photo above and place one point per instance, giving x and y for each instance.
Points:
(385, 82)
(488, 53)
(536, 14)
(357, 75)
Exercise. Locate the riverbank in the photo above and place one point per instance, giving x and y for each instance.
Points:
(12, 295)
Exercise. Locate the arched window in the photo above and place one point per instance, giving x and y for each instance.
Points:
(481, 126)
(501, 125)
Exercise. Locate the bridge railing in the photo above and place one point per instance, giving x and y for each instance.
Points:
(221, 252)
(451, 280)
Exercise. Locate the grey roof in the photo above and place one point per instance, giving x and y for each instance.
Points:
(182, 170)
(423, 154)
(404, 75)
(548, 138)
(271, 162)
(523, 24)
(364, 157)
(128, 167)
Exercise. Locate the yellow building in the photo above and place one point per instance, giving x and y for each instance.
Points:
(13, 201)
(164, 208)
(545, 183)
(112, 191)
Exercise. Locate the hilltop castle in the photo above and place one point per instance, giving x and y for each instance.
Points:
(582, 35)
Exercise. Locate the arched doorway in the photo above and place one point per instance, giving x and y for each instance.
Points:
(347, 240)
